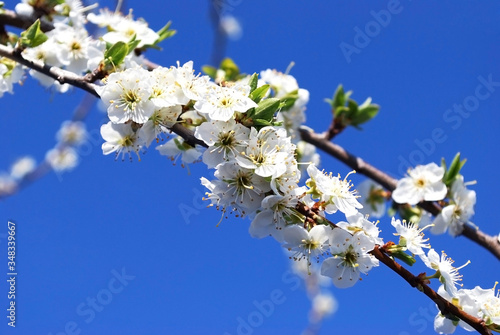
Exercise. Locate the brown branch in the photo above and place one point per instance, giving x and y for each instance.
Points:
(62, 76)
(446, 307)
(11, 18)
(488, 242)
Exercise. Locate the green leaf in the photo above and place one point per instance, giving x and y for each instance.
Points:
(454, 171)
(165, 32)
(365, 114)
(401, 255)
(116, 53)
(261, 122)
(209, 71)
(352, 108)
(266, 109)
(288, 100)
(230, 68)
(133, 43)
(254, 79)
(33, 36)
(259, 93)
(339, 97)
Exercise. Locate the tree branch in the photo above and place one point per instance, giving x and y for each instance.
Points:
(488, 242)
(11, 18)
(62, 76)
(446, 307)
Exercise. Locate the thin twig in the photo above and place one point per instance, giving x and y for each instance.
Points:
(62, 76)
(11, 18)
(220, 36)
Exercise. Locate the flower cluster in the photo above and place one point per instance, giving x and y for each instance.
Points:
(482, 303)
(255, 163)
(70, 47)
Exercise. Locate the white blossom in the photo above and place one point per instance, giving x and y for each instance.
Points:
(268, 152)
(350, 258)
(277, 211)
(307, 244)
(72, 133)
(424, 182)
(411, 236)
(448, 274)
(239, 188)
(358, 223)
(333, 192)
(10, 73)
(177, 147)
(62, 159)
(372, 197)
(22, 167)
(127, 94)
(323, 304)
(120, 138)
(225, 140)
(159, 122)
(455, 215)
(123, 28)
(220, 103)
(463, 299)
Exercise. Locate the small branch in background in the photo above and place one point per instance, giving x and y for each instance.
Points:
(336, 127)
(220, 36)
(488, 242)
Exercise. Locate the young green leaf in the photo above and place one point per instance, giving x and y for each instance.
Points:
(452, 173)
(33, 36)
(165, 32)
(259, 93)
(230, 68)
(288, 100)
(209, 71)
(266, 109)
(116, 53)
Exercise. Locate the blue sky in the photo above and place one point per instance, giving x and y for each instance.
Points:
(114, 230)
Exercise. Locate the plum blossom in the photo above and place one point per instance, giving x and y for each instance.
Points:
(226, 139)
(334, 193)
(62, 159)
(448, 274)
(411, 236)
(372, 197)
(127, 96)
(277, 211)
(424, 182)
(220, 103)
(307, 244)
(350, 258)
(268, 152)
(177, 147)
(454, 216)
(358, 223)
(120, 138)
(463, 299)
